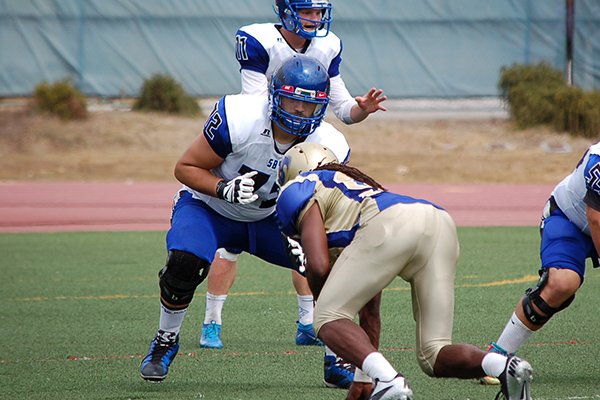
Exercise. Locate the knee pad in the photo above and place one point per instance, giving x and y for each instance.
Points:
(532, 297)
(180, 277)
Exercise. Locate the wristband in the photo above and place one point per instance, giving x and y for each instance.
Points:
(220, 188)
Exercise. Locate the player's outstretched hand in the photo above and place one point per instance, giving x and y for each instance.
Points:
(371, 101)
(359, 391)
(238, 190)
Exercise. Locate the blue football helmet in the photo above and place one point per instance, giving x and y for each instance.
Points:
(300, 78)
(287, 10)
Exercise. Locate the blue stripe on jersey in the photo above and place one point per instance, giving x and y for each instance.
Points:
(383, 199)
(334, 66)
(345, 161)
(386, 199)
(295, 197)
(289, 204)
(592, 173)
(216, 130)
(341, 238)
(251, 55)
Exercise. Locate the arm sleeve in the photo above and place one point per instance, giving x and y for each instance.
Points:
(250, 53)
(216, 130)
(291, 201)
(341, 100)
(254, 82)
(592, 181)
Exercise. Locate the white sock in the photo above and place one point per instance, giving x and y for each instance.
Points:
(214, 307)
(377, 367)
(305, 309)
(171, 320)
(515, 333)
(493, 364)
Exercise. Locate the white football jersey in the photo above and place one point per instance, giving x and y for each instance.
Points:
(260, 48)
(570, 192)
(239, 131)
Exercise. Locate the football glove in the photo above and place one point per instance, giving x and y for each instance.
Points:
(296, 254)
(238, 190)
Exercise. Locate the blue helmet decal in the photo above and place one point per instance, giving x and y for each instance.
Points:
(300, 78)
(289, 14)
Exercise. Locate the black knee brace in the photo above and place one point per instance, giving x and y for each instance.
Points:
(181, 276)
(532, 297)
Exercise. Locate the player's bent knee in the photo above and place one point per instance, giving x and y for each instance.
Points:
(427, 355)
(181, 276)
(533, 298)
(227, 255)
(322, 316)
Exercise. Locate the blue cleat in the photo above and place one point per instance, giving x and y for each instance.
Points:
(338, 374)
(306, 336)
(163, 349)
(210, 338)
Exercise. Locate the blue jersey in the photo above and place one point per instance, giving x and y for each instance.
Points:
(345, 204)
(581, 188)
(239, 131)
(261, 48)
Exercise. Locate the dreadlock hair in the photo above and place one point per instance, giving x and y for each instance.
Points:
(352, 172)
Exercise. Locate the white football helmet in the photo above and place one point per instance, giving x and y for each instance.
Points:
(303, 157)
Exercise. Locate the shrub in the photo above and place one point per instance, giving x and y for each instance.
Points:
(529, 90)
(538, 94)
(165, 94)
(531, 106)
(542, 74)
(60, 98)
(578, 111)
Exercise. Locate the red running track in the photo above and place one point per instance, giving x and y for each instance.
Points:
(77, 206)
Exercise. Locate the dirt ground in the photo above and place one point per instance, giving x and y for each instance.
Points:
(134, 146)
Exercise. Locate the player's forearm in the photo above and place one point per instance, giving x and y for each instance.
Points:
(197, 178)
(357, 114)
(316, 275)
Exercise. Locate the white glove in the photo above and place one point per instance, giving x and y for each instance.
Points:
(297, 254)
(238, 190)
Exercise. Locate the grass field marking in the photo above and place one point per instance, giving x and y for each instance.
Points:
(119, 296)
(594, 396)
(524, 279)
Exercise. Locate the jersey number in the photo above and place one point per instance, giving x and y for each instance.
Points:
(594, 179)
(259, 180)
(212, 124)
(240, 50)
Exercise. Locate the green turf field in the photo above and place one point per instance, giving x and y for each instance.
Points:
(79, 309)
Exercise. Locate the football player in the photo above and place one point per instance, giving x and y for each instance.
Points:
(570, 234)
(229, 177)
(357, 238)
(260, 49)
